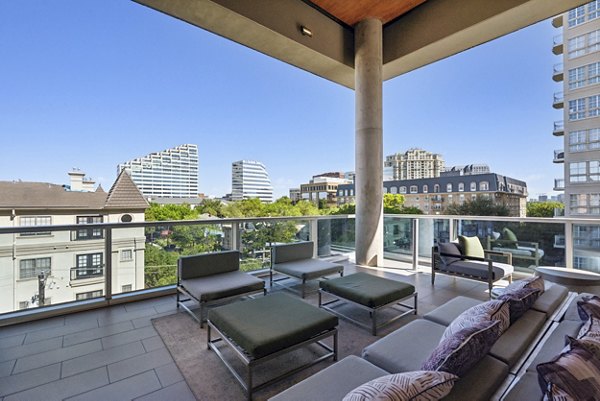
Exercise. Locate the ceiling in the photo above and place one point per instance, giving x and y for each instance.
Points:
(352, 11)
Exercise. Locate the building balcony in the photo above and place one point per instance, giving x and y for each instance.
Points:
(557, 45)
(559, 184)
(559, 128)
(559, 156)
(559, 100)
(557, 21)
(558, 72)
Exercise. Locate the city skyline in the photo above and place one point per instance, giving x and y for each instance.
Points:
(152, 82)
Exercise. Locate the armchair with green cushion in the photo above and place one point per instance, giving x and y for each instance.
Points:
(468, 259)
(507, 241)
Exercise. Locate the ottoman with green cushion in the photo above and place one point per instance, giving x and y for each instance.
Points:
(261, 329)
(368, 292)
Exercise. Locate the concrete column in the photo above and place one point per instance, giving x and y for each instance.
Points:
(369, 142)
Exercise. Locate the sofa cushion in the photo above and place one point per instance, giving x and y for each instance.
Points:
(529, 282)
(472, 387)
(479, 270)
(514, 342)
(308, 269)
(222, 285)
(450, 248)
(408, 386)
(551, 299)
(294, 251)
(572, 310)
(555, 342)
(459, 353)
(333, 382)
(471, 246)
(576, 372)
(446, 313)
(406, 348)
(526, 388)
(208, 264)
(588, 306)
(520, 301)
(491, 310)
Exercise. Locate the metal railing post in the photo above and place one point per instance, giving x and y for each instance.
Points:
(314, 236)
(108, 265)
(451, 232)
(415, 243)
(569, 244)
(235, 236)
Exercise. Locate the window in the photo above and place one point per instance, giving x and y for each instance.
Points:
(126, 288)
(88, 295)
(126, 218)
(448, 187)
(577, 141)
(402, 190)
(425, 189)
(394, 190)
(484, 186)
(594, 208)
(461, 186)
(473, 187)
(576, 16)
(436, 188)
(461, 198)
(414, 189)
(385, 190)
(23, 305)
(593, 9)
(126, 255)
(577, 172)
(32, 221)
(578, 203)
(594, 106)
(89, 233)
(576, 78)
(31, 268)
(593, 41)
(594, 166)
(88, 265)
(576, 46)
(576, 109)
(593, 73)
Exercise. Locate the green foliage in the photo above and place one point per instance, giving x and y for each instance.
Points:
(347, 208)
(410, 210)
(393, 203)
(158, 212)
(160, 266)
(543, 209)
(214, 207)
(479, 206)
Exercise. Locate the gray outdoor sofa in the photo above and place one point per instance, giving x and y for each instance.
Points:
(296, 260)
(211, 278)
(407, 348)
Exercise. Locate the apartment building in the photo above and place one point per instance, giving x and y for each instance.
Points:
(250, 179)
(324, 187)
(44, 268)
(413, 164)
(171, 173)
(434, 195)
(579, 100)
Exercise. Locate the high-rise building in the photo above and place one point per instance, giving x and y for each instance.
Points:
(250, 179)
(469, 169)
(579, 72)
(414, 164)
(171, 173)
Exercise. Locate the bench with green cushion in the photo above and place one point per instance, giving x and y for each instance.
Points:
(263, 328)
(369, 291)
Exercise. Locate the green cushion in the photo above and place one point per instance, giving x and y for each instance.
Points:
(508, 235)
(471, 246)
(269, 324)
(368, 290)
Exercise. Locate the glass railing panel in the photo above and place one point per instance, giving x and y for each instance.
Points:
(531, 244)
(586, 247)
(342, 232)
(397, 237)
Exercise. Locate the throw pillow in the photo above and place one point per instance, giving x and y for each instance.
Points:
(491, 310)
(510, 236)
(457, 354)
(589, 306)
(408, 386)
(575, 372)
(471, 246)
(589, 336)
(591, 345)
(449, 248)
(519, 301)
(530, 282)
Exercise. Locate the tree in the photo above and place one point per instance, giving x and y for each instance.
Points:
(160, 266)
(158, 212)
(543, 209)
(393, 203)
(213, 207)
(479, 206)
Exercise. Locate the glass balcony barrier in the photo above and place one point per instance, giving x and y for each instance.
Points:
(557, 40)
(559, 127)
(558, 68)
(48, 267)
(559, 97)
(559, 184)
(559, 156)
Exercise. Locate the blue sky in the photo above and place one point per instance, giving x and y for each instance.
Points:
(90, 84)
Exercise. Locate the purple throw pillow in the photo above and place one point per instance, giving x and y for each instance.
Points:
(490, 310)
(588, 306)
(519, 301)
(530, 282)
(458, 353)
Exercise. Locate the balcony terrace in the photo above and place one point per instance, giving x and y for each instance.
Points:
(107, 347)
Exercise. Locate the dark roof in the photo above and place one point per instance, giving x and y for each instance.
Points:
(124, 194)
(42, 195)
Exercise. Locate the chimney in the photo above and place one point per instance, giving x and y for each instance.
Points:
(76, 176)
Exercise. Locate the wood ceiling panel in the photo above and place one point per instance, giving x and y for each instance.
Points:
(353, 11)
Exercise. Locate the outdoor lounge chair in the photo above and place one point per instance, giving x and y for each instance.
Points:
(213, 278)
(507, 242)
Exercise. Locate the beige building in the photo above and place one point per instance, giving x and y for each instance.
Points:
(72, 261)
(323, 186)
(414, 164)
(579, 100)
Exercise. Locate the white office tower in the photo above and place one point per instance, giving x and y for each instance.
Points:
(249, 179)
(172, 173)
